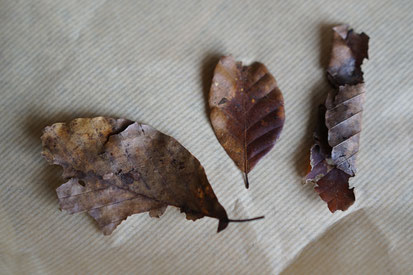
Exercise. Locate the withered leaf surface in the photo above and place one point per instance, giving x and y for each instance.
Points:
(247, 111)
(116, 168)
(336, 139)
(348, 53)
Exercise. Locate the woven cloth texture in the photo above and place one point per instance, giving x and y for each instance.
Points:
(152, 62)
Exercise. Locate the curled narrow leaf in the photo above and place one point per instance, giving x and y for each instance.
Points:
(247, 111)
(115, 168)
(337, 137)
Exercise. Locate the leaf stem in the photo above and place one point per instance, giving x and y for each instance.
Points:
(247, 220)
(247, 184)
(244, 96)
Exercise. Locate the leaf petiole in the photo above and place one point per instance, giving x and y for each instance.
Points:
(247, 220)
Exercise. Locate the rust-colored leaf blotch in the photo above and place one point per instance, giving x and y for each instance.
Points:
(247, 111)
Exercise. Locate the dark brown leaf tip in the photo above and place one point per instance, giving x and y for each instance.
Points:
(116, 168)
(224, 223)
(336, 139)
(247, 111)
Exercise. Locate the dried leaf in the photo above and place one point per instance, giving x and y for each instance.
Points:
(348, 53)
(333, 188)
(116, 168)
(343, 120)
(247, 111)
(336, 139)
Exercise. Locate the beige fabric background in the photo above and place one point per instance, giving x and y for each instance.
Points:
(152, 61)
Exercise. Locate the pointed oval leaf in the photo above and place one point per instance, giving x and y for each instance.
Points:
(247, 111)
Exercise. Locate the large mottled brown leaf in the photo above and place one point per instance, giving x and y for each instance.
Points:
(115, 168)
(336, 139)
(247, 111)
